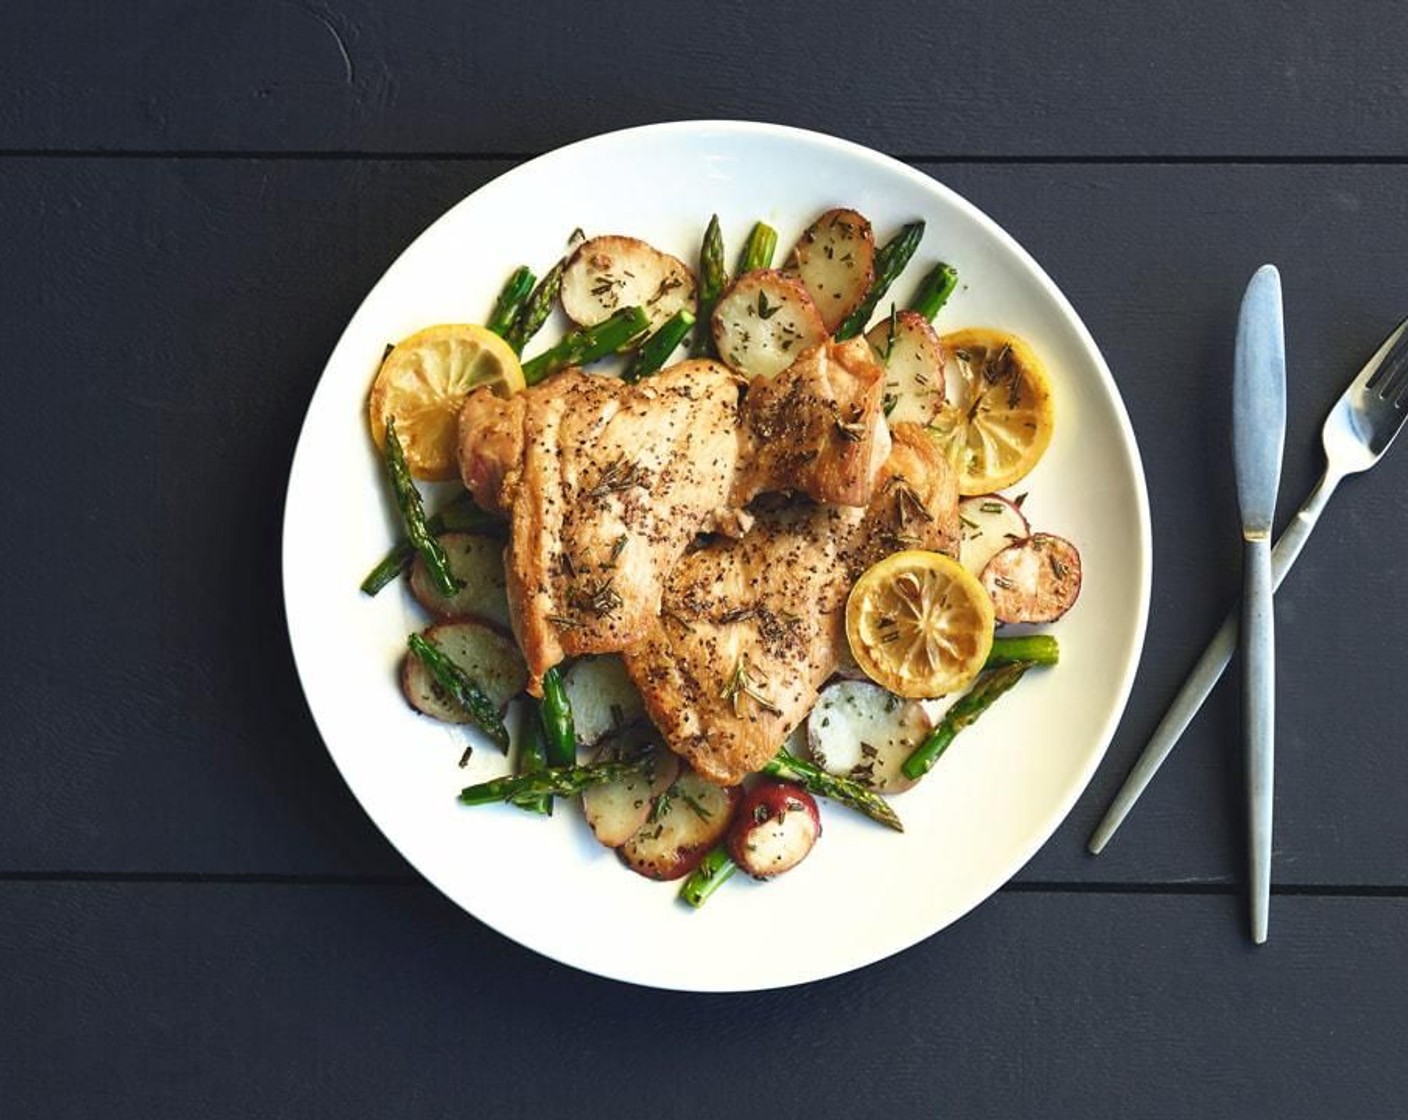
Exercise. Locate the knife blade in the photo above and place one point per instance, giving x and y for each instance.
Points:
(1259, 431)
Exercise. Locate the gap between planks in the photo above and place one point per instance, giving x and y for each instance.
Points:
(1212, 887)
(519, 157)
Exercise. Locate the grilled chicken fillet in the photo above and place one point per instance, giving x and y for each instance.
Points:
(606, 484)
(749, 629)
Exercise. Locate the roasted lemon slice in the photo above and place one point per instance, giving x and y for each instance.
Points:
(996, 419)
(919, 624)
(423, 382)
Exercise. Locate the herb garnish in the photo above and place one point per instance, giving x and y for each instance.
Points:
(743, 683)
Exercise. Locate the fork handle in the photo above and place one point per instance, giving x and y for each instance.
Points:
(1208, 671)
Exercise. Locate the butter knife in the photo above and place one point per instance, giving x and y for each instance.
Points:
(1259, 430)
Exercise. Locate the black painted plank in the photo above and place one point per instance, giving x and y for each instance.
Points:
(172, 316)
(236, 1001)
(150, 700)
(968, 78)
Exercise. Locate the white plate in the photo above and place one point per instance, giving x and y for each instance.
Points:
(865, 892)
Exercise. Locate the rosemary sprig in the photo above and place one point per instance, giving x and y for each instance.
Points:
(742, 682)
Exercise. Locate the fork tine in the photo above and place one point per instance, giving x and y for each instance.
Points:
(1394, 385)
(1387, 371)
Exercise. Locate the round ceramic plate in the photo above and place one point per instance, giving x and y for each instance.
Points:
(865, 892)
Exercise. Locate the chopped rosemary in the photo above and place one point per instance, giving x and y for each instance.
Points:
(619, 474)
(693, 802)
(598, 598)
(743, 683)
(910, 504)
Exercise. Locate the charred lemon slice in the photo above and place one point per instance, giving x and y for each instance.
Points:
(424, 380)
(996, 420)
(919, 624)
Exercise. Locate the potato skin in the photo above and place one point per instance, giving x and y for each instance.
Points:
(776, 827)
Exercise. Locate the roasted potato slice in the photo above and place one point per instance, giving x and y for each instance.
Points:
(489, 656)
(684, 822)
(1035, 580)
(478, 563)
(608, 273)
(860, 731)
(617, 811)
(776, 828)
(989, 523)
(908, 348)
(764, 321)
(835, 259)
(603, 698)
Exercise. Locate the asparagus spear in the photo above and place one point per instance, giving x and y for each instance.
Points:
(556, 713)
(588, 344)
(535, 310)
(461, 515)
(533, 754)
(460, 687)
(934, 290)
(890, 260)
(1037, 649)
(758, 250)
(817, 781)
(714, 870)
(656, 349)
(554, 781)
(413, 514)
(712, 281)
(510, 302)
(974, 703)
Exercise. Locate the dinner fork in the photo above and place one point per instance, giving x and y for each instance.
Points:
(1359, 429)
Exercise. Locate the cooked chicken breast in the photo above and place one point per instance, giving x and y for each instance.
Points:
(606, 484)
(749, 629)
(818, 427)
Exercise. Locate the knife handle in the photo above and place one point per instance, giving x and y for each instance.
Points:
(1259, 720)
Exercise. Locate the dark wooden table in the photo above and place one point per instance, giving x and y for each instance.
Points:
(196, 919)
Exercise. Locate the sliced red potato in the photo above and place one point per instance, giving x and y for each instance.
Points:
(478, 563)
(863, 732)
(988, 524)
(835, 259)
(908, 348)
(602, 696)
(1035, 580)
(684, 822)
(776, 827)
(763, 321)
(617, 811)
(487, 655)
(606, 274)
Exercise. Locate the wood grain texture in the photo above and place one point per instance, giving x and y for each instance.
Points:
(968, 78)
(173, 317)
(143, 1001)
